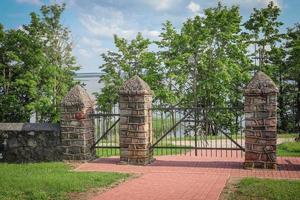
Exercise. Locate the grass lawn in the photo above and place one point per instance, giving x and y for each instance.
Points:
(288, 149)
(108, 152)
(287, 135)
(49, 181)
(254, 188)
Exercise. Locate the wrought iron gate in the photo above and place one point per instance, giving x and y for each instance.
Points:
(179, 131)
(107, 133)
(190, 131)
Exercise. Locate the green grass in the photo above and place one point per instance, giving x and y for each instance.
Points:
(287, 135)
(160, 126)
(109, 152)
(169, 151)
(289, 149)
(254, 188)
(208, 137)
(49, 181)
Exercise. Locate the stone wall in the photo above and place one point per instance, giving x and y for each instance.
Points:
(25, 142)
(77, 127)
(261, 122)
(135, 122)
(72, 139)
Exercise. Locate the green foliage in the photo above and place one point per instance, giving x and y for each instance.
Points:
(49, 181)
(57, 74)
(109, 152)
(20, 60)
(254, 188)
(293, 77)
(37, 68)
(206, 58)
(203, 64)
(289, 149)
(132, 58)
(274, 58)
(263, 26)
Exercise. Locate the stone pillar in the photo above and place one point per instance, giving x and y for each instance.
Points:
(135, 122)
(77, 127)
(261, 122)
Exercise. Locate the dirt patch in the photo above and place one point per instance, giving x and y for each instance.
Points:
(230, 187)
(90, 193)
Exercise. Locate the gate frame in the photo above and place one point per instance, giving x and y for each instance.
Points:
(190, 111)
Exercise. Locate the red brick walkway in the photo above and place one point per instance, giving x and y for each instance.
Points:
(184, 177)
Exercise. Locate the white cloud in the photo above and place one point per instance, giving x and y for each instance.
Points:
(68, 3)
(193, 7)
(151, 34)
(87, 41)
(252, 3)
(266, 2)
(161, 5)
(35, 2)
(88, 51)
(84, 53)
(87, 46)
(104, 22)
(104, 27)
(110, 22)
(99, 24)
(107, 30)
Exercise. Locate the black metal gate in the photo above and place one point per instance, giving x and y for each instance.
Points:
(107, 133)
(179, 131)
(195, 131)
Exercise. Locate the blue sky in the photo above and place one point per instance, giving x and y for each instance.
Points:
(93, 22)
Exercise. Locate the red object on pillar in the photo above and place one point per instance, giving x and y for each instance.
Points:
(80, 115)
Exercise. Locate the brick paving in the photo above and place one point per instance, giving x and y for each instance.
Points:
(185, 177)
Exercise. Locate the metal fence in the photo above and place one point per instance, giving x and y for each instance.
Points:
(107, 132)
(179, 131)
(195, 131)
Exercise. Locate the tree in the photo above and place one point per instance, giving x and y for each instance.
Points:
(21, 59)
(206, 62)
(57, 73)
(204, 65)
(132, 58)
(269, 55)
(37, 67)
(293, 73)
(279, 74)
(263, 26)
(173, 65)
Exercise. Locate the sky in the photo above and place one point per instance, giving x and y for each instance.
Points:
(94, 22)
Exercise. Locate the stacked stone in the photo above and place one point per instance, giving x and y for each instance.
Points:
(261, 122)
(77, 127)
(29, 142)
(135, 122)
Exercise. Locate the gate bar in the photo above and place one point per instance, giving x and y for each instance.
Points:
(232, 140)
(106, 132)
(189, 147)
(171, 129)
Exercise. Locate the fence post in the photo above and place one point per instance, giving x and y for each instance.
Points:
(135, 122)
(77, 127)
(261, 122)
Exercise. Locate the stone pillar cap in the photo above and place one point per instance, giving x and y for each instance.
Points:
(135, 85)
(261, 84)
(77, 96)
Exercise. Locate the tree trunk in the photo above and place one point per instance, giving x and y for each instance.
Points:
(297, 118)
(283, 121)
